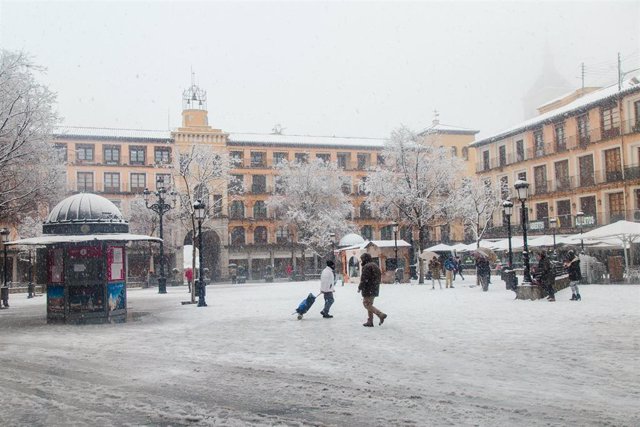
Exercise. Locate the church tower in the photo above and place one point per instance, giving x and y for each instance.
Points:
(194, 106)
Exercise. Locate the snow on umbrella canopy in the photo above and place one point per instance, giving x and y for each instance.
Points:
(85, 214)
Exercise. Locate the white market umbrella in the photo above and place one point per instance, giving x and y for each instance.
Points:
(503, 245)
(440, 248)
(623, 232)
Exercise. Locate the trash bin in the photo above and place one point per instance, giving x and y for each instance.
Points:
(4, 297)
(510, 279)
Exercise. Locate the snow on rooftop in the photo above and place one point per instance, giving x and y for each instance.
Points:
(94, 132)
(442, 128)
(585, 101)
(279, 139)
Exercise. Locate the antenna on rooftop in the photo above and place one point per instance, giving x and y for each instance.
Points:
(436, 117)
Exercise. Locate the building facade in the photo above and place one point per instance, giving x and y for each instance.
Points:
(580, 154)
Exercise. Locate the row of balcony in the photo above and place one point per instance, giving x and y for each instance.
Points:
(560, 145)
(589, 179)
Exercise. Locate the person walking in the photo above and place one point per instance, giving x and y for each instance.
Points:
(459, 267)
(370, 288)
(572, 265)
(327, 287)
(188, 274)
(546, 275)
(449, 267)
(434, 269)
(483, 270)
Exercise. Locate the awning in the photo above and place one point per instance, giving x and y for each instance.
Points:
(53, 238)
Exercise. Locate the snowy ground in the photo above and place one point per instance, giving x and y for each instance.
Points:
(444, 357)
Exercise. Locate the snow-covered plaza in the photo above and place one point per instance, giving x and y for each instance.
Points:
(443, 357)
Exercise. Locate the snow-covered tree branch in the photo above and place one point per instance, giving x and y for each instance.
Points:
(478, 201)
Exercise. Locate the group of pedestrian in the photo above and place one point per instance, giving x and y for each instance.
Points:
(452, 267)
(547, 278)
(369, 288)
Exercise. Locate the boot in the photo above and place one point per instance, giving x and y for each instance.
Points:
(382, 318)
(578, 297)
(368, 324)
(574, 297)
(551, 299)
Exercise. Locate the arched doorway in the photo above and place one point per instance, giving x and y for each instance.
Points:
(210, 253)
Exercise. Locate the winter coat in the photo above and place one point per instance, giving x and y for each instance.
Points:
(482, 267)
(370, 280)
(545, 271)
(573, 268)
(449, 264)
(327, 280)
(434, 268)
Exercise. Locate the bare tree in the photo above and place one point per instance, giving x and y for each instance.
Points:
(414, 184)
(30, 172)
(310, 200)
(478, 200)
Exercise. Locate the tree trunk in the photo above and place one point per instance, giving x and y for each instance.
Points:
(420, 263)
(302, 262)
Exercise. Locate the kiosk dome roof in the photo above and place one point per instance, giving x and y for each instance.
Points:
(351, 239)
(85, 209)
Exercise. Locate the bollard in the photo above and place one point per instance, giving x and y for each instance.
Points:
(4, 297)
(30, 290)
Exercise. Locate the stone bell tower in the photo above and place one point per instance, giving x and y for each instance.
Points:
(194, 106)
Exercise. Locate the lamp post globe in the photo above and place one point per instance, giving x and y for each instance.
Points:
(522, 190)
(200, 213)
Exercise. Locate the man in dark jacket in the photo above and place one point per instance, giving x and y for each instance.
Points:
(370, 287)
(572, 265)
(547, 278)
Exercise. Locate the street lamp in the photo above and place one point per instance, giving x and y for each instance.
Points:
(507, 209)
(4, 292)
(200, 211)
(580, 223)
(394, 226)
(553, 224)
(522, 189)
(160, 207)
(332, 236)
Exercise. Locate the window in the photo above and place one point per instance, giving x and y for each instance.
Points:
(258, 159)
(445, 233)
(259, 184)
(587, 176)
(345, 184)
(367, 232)
(616, 206)
(343, 160)
(236, 184)
(111, 154)
(236, 211)
(465, 153)
(260, 210)
(522, 176)
(502, 155)
(386, 232)
(380, 159)
(540, 179)
(636, 122)
(520, 150)
(85, 181)
(486, 163)
(326, 158)
(84, 153)
(111, 182)
(362, 185)
(302, 157)
(60, 152)
(165, 179)
(364, 160)
(237, 159)
(613, 165)
(610, 121)
(216, 207)
(588, 207)
(538, 142)
(278, 183)
(162, 155)
(504, 187)
(583, 129)
(260, 235)
(365, 210)
(564, 213)
(279, 158)
(561, 143)
(201, 192)
(138, 182)
(237, 236)
(282, 235)
(542, 213)
(563, 182)
(136, 155)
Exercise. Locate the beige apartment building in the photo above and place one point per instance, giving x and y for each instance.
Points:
(120, 163)
(580, 154)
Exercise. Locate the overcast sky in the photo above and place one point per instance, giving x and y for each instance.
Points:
(317, 68)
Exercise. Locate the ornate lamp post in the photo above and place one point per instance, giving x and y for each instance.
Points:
(553, 224)
(507, 209)
(522, 189)
(580, 223)
(200, 210)
(160, 207)
(332, 236)
(4, 292)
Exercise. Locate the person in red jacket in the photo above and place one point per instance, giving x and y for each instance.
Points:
(370, 288)
(188, 274)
